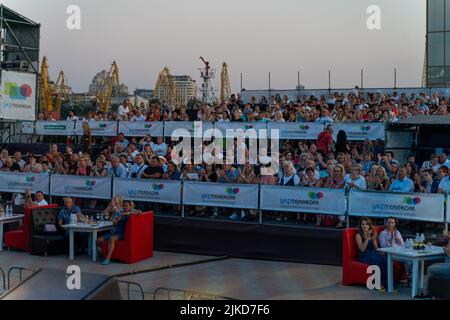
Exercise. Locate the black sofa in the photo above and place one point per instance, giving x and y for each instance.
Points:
(439, 286)
(45, 243)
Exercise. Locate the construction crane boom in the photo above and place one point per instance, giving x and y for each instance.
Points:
(106, 90)
(45, 88)
(61, 91)
(225, 89)
(166, 88)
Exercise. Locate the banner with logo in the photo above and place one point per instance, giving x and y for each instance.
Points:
(17, 95)
(423, 206)
(448, 209)
(164, 191)
(27, 127)
(141, 128)
(297, 130)
(79, 186)
(243, 196)
(296, 199)
(98, 128)
(223, 126)
(195, 129)
(18, 182)
(360, 131)
(55, 128)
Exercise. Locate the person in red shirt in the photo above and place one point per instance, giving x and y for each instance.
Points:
(325, 141)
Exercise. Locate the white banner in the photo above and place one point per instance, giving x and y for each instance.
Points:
(423, 206)
(195, 129)
(18, 182)
(164, 191)
(27, 127)
(17, 95)
(223, 126)
(55, 128)
(98, 128)
(360, 131)
(141, 128)
(448, 209)
(296, 130)
(243, 196)
(82, 187)
(296, 199)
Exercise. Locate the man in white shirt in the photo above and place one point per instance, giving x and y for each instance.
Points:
(39, 202)
(444, 185)
(138, 116)
(72, 116)
(123, 110)
(355, 180)
(443, 160)
(18, 159)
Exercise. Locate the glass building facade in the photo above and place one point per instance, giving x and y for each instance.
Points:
(438, 43)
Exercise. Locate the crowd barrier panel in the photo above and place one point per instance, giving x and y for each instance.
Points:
(81, 186)
(242, 196)
(145, 190)
(287, 130)
(406, 206)
(19, 181)
(409, 206)
(309, 200)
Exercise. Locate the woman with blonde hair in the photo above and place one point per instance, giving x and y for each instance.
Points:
(380, 180)
(87, 138)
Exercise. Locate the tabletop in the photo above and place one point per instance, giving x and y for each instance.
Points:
(401, 251)
(12, 217)
(84, 226)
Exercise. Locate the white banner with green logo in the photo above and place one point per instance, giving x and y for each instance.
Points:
(190, 129)
(55, 128)
(244, 196)
(98, 128)
(360, 131)
(17, 95)
(81, 187)
(18, 182)
(414, 206)
(245, 126)
(141, 128)
(163, 191)
(297, 130)
(296, 199)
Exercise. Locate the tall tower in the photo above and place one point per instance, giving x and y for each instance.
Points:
(207, 73)
(225, 90)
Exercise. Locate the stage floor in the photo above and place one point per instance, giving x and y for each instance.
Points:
(232, 278)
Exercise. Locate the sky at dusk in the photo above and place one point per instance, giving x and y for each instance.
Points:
(253, 36)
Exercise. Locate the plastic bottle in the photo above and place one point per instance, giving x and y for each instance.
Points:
(417, 240)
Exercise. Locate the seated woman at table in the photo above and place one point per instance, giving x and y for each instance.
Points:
(366, 241)
(118, 231)
(391, 237)
(113, 208)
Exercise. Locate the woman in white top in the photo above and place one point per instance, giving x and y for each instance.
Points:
(390, 236)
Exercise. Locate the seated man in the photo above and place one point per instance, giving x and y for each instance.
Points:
(118, 232)
(39, 199)
(64, 218)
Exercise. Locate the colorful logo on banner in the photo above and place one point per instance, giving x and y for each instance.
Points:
(102, 125)
(147, 126)
(412, 201)
(27, 183)
(90, 183)
(366, 128)
(157, 187)
(230, 190)
(315, 195)
(17, 93)
(249, 126)
(303, 127)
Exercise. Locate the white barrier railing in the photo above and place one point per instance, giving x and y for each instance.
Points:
(161, 191)
(287, 130)
(422, 207)
(244, 196)
(414, 206)
(295, 199)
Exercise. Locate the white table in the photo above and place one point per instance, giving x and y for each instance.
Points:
(92, 229)
(416, 258)
(8, 219)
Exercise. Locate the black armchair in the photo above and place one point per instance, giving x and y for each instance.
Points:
(46, 243)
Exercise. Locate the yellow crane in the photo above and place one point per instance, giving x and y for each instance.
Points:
(60, 91)
(166, 88)
(106, 89)
(225, 88)
(45, 89)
